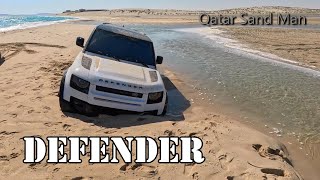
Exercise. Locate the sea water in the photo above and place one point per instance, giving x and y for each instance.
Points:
(13, 22)
(262, 88)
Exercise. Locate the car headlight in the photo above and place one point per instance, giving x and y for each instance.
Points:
(79, 84)
(153, 76)
(154, 98)
(86, 62)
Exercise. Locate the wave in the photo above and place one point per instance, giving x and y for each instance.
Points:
(28, 25)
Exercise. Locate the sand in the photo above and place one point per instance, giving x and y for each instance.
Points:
(169, 16)
(299, 45)
(31, 69)
(175, 12)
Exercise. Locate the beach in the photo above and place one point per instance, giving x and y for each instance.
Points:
(30, 76)
(299, 45)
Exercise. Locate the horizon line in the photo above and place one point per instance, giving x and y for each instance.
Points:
(192, 10)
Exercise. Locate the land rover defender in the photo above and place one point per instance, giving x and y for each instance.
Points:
(116, 69)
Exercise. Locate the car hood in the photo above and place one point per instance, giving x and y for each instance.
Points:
(111, 69)
(122, 75)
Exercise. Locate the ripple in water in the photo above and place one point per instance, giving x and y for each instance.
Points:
(283, 96)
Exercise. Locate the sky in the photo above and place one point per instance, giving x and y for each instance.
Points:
(57, 6)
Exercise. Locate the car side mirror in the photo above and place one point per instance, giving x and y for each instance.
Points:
(159, 59)
(80, 42)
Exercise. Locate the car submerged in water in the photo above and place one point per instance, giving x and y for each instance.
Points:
(117, 69)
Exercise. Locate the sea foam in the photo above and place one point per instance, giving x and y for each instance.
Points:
(15, 22)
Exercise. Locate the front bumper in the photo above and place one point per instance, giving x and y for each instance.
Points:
(114, 101)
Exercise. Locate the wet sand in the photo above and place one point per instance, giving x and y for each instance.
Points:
(299, 45)
(32, 65)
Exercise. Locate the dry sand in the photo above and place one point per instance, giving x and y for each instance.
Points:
(30, 71)
(141, 18)
(174, 12)
(165, 16)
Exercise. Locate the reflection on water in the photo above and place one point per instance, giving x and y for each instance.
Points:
(281, 96)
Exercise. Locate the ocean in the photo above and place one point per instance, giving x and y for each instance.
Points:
(13, 22)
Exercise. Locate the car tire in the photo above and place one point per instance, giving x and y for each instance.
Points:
(65, 106)
(84, 109)
(164, 112)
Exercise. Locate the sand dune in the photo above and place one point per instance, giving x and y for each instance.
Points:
(156, 16)
(165, 12)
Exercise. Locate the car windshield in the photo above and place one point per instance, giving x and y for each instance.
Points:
(121, 47)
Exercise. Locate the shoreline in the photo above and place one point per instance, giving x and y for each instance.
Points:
(194, 115)
(302, 52)
(301, 157)
(30, 25)
(229, 39)
(225, 39)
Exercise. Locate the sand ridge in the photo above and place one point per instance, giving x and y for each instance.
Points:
(174, 16)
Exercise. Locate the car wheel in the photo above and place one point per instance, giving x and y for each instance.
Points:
(164, 112)
(65, 106)
(85, 109)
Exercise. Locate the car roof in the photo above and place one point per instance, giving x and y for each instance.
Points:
(123, 31)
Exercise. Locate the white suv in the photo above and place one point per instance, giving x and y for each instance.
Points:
(116, 69)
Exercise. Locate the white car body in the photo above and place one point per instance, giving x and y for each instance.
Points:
(120, 78)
